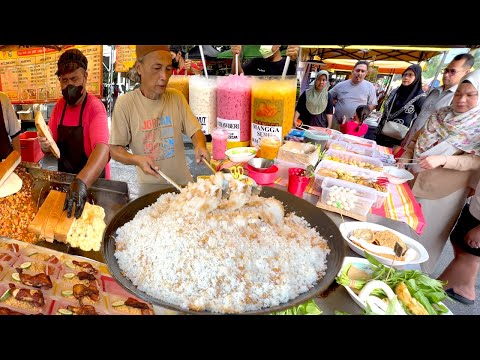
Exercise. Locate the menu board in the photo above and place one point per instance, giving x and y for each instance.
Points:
(27, 76)
(126, 57)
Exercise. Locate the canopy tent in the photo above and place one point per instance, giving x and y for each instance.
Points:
(412, 54)
(249, 51)
(384, 66)
(208, 51)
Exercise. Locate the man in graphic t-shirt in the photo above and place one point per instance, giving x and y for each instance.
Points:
(150, 121)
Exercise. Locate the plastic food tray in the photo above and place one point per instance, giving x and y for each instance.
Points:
(359, 141)
(356, 159)
(363, 199)
(352, 170)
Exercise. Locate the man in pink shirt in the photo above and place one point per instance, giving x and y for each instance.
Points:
(79, 126)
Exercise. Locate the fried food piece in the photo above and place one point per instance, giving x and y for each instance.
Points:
(82, 310)
(388, 239)
(41, 280)
(327, 173)
(33, 296)
(135, 303)
(412, 304)
(6, 311)
(365, 234)
(80, 290)
(86, 266)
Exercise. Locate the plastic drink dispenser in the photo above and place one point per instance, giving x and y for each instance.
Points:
(273, 107)
(203, 101)
(234, 104)
(179, 82)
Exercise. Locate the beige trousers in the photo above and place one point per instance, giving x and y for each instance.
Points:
(440, 218)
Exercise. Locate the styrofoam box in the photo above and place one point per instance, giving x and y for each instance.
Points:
(357, 149)
(359, 141)
(283, 167)
(347, 156)
(363, 199)
(352, 170)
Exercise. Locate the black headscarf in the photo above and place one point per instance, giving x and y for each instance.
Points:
(406, 93)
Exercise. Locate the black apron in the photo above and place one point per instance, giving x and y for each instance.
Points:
(70, 142)
(5, 147)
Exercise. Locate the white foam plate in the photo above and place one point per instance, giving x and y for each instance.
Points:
(347, 227)
(365, 265)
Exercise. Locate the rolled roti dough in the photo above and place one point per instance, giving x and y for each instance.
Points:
(12, 185)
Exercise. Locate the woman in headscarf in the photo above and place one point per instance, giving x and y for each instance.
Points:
(402, 106)
(447, 151)
(315, 105)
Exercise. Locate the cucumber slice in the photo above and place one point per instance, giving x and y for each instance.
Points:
(64, 312)
(25, 265)
(6, 295)
(118, 303)
(67, 293)
(33, 253)
(70, 264)
(69, 275)
(16, 276)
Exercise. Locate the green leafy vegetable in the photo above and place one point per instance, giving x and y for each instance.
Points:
(307, 308)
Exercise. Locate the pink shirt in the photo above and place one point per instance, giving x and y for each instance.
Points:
(350, 128)
(94, 121)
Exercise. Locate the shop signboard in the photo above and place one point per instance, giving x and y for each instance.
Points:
(27, 76)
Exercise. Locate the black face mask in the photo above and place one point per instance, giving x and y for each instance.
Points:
(72, 93)
(174, 63)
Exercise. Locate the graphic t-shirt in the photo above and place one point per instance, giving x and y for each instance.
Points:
(154, 128)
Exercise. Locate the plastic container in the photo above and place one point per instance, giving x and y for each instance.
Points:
(234, 104)
(68, 265)
(10, 277)
(29, 147)
(332, 133)
(219, 143)
(355, 160)
(283, 167)
(34, 267)
(303, 153)
(23, 306)
(203, 101)
(359, 141)
(61, 293)
(273, 107)
(349, 147)
(181, 83)
(317, 138)
(357, 199)
(62, 304)
(115, 307)
(263, 177)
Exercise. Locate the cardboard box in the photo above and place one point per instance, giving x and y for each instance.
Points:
(29, 146)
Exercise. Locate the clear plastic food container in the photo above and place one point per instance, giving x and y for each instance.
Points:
(64, 291)
(116, 306)
(349, 158)
(34, 267)
(359, 141)
(60, 307)
(348, 196)
(348, 170)
(25, 307)
(349, 147)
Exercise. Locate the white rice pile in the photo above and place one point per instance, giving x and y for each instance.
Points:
(201, 252)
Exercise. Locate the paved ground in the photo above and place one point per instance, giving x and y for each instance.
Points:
(127, 174)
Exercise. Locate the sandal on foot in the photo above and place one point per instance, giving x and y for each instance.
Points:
(459, 297)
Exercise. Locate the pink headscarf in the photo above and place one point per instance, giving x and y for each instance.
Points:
(461, 130)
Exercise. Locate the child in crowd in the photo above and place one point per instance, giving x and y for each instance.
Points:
(355, 126)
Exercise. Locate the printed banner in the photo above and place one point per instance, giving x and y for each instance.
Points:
(27, 76)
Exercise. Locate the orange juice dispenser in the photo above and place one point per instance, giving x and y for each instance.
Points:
(203, 101)
(179, 82)
(234, 108)
(273, 107)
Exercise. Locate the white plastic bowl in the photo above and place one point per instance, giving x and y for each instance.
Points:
(397, 176)
(241, 154)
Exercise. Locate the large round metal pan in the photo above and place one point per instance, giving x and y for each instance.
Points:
(315, 216)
